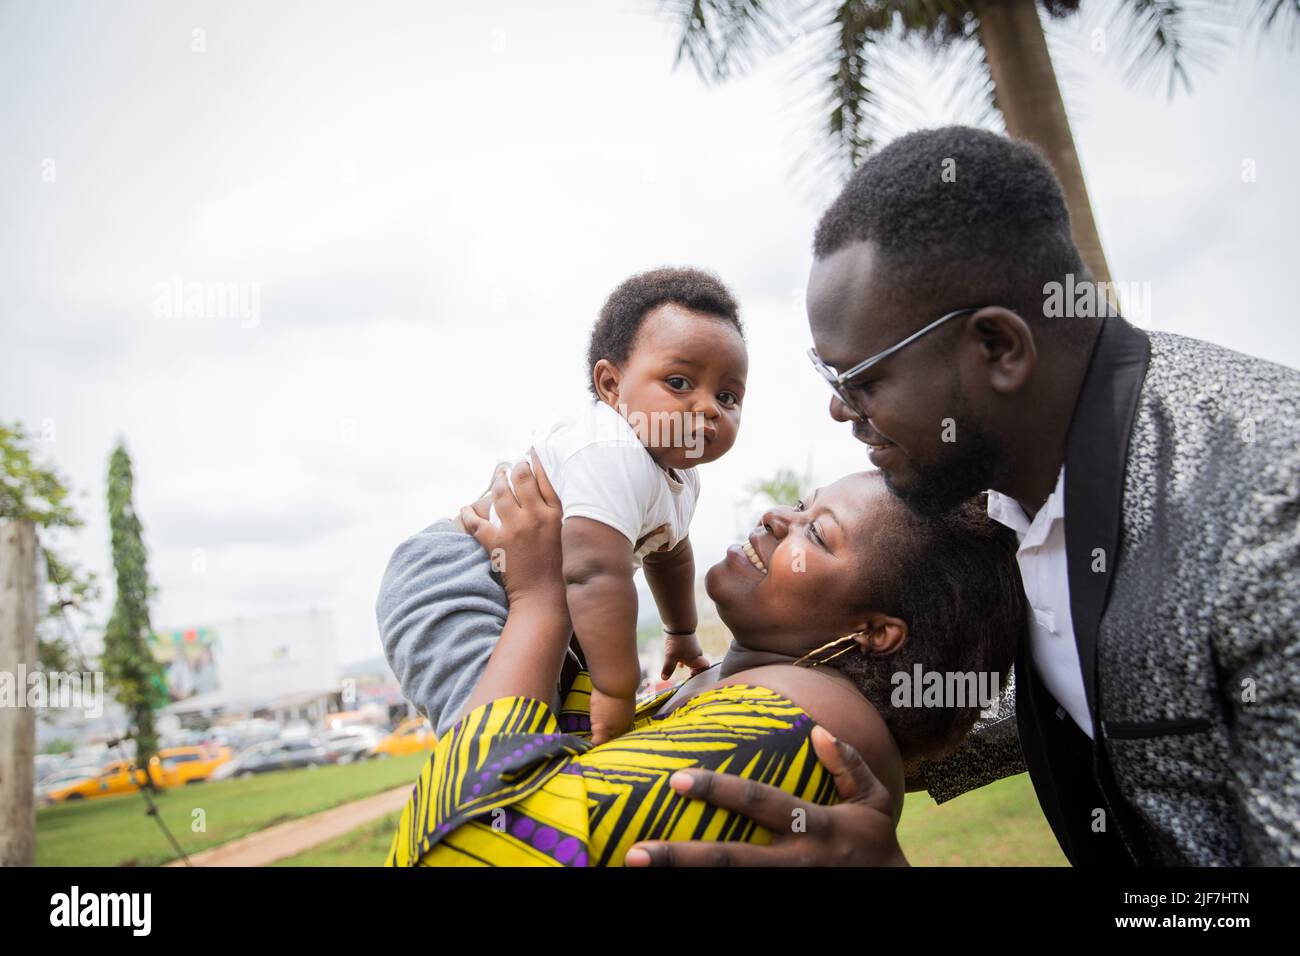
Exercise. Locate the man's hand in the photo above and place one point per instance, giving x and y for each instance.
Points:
(858, 832)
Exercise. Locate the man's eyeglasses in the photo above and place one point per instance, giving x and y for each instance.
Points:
(839, 382)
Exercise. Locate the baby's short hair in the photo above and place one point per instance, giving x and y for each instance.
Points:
(627, 306)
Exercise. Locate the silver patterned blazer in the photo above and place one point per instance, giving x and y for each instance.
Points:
(1183, 544)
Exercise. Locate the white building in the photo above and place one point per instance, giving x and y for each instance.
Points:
(274, 663)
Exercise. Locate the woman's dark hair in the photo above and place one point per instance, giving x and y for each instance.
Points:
(956, 583)
(627, 306)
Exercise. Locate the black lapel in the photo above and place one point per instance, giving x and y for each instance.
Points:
(1096, 450)
(1032, 727)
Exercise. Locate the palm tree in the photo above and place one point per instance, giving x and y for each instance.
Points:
(1008, 50)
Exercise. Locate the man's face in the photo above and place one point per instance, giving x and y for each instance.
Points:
(921, 424)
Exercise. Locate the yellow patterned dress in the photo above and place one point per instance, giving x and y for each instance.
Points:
(513, 784)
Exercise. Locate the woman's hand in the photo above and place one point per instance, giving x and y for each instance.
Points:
(527, 658)
(858, 832)
(526, 547)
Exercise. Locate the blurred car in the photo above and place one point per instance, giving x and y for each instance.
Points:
(113, 778)
(411, 736)
(178, 766)
(367, 715)
(170, 767)
(185, 738)
(350, 744)
(297, 730)
(60, 779)
(46, 764)
(241, 734)
(275, 755)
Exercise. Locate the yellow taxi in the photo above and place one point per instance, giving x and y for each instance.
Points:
(177, 766)
(113, 778)
(411, 736)
(172, 767)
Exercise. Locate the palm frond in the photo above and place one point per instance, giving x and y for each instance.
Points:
(937, 21)
(1170, 36)
(862, 64)
(972, 99)
(722, 38)
(1281, 15)
(855, 29)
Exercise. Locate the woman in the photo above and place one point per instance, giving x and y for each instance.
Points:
(826, 604)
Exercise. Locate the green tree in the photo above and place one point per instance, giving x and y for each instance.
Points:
(32, 491)
(129, 667)
(785, 487)
(1004, 41)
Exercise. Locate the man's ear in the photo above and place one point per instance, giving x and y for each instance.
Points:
(881, 634)
(1006, 347)
(607, 377)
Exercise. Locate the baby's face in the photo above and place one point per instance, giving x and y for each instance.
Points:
(682, 387)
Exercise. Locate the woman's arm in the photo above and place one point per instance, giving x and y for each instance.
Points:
(526, 549)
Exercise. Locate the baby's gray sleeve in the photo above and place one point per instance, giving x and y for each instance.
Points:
(440, 612)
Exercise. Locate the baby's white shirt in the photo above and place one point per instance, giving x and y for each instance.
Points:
(600, 470)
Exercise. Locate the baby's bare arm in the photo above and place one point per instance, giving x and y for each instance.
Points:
(671, 576)
(602, 603)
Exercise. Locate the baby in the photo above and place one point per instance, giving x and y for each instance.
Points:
(667, 364)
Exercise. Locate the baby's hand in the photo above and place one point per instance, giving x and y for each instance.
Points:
(683, 649)
(610, 716)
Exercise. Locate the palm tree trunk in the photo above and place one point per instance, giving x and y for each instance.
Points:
(1029, 98)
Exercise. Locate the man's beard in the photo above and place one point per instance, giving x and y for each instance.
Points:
(977, 462)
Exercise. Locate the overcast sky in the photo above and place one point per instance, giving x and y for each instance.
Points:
(430, 204)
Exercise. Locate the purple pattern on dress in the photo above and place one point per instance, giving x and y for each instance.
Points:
(569, 851)
(574, 723)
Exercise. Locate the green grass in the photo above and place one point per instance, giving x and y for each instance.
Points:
(365, 846)
(997, 825)
(115, 831)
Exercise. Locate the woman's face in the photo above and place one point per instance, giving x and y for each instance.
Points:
(814, 563)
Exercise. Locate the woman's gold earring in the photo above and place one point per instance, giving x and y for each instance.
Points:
(838, 640)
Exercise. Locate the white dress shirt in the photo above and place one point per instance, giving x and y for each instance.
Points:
(1045, 574)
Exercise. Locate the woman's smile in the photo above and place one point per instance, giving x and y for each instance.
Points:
(752, 553)
(740, 553)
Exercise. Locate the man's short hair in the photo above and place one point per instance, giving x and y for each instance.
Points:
(960, 212)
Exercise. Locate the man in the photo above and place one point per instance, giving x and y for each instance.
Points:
(1154, 483)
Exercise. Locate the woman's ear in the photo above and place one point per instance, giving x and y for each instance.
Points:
(607, 377)
(881, 634)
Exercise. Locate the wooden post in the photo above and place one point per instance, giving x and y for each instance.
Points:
(18, 599)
